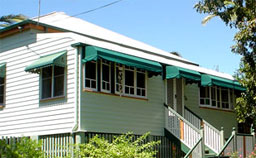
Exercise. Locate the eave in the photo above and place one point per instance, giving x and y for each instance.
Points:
(27, 25)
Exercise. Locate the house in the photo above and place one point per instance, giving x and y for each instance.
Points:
(64, 80)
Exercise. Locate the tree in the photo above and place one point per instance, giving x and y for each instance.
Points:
(11, 19)
(124, 146)
(239, 14)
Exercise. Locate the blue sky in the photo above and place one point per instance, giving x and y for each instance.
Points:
(165, 24)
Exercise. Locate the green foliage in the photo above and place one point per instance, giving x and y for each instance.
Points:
(123, 146)
(240, 14)
(24, 148)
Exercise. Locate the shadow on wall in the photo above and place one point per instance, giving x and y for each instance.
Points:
(18, 40)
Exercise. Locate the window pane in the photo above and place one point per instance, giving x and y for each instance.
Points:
(204, 96)
(90, 75)
(47, 88)
(58, 70)
(129, 78)
(46, 82)
(224, 98)
(105, 76)
(129, 82)
(47, 72)
(58, 81)
(141, 84)
(218, 97)
(213, 96)
(1, 94)
(141, 80)
(90, 70)
(204, 92)
(1, 80)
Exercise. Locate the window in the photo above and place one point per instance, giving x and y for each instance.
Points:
(53, 79)
(106, 76)
(115, 78)
(217, 97)
(141, 83)
(91, 75)
(204, 96)
(130, 81)
(2, 90)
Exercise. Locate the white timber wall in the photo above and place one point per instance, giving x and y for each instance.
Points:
(24, 114)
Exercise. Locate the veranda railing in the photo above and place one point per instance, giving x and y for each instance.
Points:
(181, 128)
(213, 138)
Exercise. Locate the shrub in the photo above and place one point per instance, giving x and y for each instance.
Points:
(123, 146)
(24, 148)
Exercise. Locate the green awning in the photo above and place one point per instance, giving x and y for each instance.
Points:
(58, 59)
(209, 80)
(2, 69)
(178, 72)
(95, 53)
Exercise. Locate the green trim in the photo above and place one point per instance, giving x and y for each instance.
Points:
(2, 70)
(226, 144)
(178, 72)
(190, 151)
(58, 59)
(184, 148)
(209, 80)
(94, 53)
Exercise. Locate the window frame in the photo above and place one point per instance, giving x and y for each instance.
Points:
(218, 91)
(52, 84)
(135, 81)
(103, 62)
(113, 88)
(84, 77)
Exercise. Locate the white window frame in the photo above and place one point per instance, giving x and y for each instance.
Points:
(141, 89)
(101, 79)
(123, 68)
(217, 88)
(84, 77)
(52, 85)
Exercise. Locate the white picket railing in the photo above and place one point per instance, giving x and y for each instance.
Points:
(212, 137)
(181, 128)
(192, 118)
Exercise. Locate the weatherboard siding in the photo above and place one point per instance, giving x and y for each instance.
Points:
(24, 114)
(217, 118)
(115, 114)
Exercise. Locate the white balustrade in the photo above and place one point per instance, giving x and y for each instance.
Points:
(212, 137)
(181, 128)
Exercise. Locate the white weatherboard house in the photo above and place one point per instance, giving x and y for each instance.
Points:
(63, 80)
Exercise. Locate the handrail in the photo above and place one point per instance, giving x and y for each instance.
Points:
(192, 149)
(226, 144)
(208, 124)
(183, 119)
(200, 118)
(193, 118)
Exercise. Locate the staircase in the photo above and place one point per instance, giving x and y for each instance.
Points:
(199, 139)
